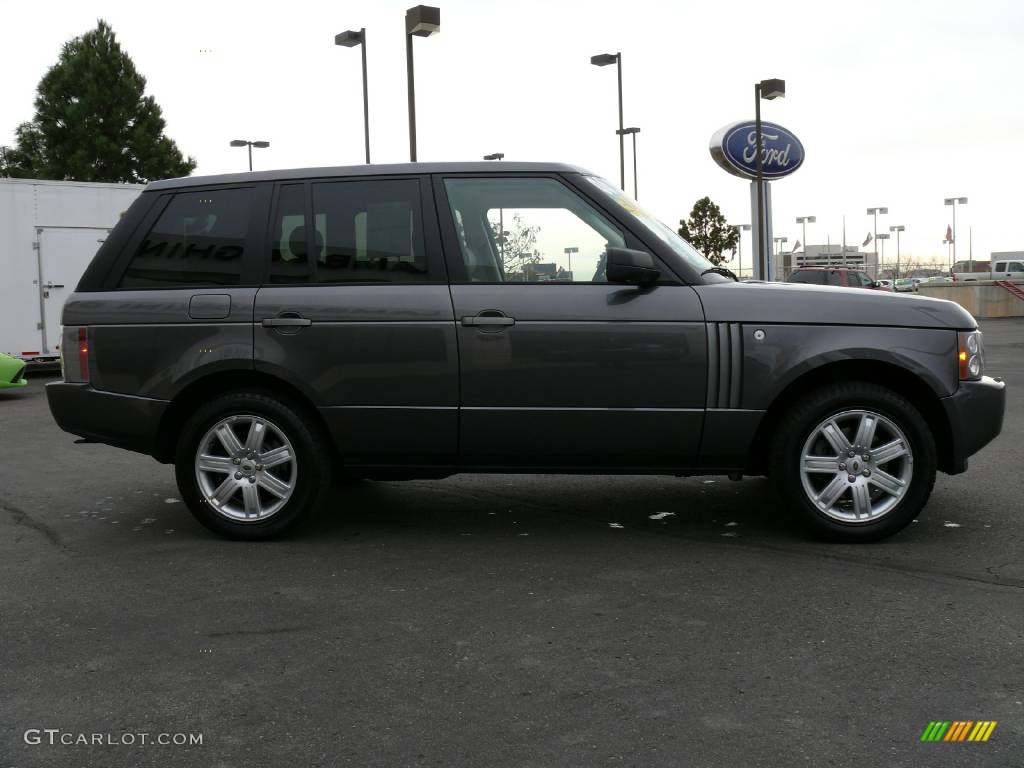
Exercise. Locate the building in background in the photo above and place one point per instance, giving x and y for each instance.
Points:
(825, 256)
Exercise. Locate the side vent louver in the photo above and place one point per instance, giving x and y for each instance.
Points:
(725, 364)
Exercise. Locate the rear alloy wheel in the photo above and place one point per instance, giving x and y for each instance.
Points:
(250, 466)
(246, 468)
(855, 461)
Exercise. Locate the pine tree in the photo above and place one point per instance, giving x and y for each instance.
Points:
(708, 232)
(93, 121)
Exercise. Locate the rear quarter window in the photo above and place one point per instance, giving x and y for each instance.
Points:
(199, 239)
(809, 277)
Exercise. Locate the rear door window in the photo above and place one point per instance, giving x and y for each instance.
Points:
(198, 240)
(358, 231)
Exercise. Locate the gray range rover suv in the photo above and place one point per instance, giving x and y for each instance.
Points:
(265, 332)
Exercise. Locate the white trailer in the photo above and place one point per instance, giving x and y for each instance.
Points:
(49, 232)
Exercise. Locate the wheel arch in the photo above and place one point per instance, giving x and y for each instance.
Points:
(200, 390)
(884, 374)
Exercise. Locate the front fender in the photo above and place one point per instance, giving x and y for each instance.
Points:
(787, 352)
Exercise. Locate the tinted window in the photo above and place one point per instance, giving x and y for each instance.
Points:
(289, 261)
(198, 240)
(812, 277)
(1000, 266)
(1015, 266)
(862, 279)
(529, 230)
(362, 231)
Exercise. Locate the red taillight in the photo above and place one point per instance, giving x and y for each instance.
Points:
(83, 353)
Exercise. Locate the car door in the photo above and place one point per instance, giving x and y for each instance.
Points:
(558, 366)
(355, 311)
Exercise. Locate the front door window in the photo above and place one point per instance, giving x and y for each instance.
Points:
(529, 231)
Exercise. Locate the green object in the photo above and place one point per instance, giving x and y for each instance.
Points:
(93, 121)
(708, 232)
(11, 371)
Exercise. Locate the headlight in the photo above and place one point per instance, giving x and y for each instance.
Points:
(970, 355)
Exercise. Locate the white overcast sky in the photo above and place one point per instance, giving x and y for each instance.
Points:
(898, 103)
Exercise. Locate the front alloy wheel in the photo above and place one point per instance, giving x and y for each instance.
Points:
(856, 466)
(854, 461)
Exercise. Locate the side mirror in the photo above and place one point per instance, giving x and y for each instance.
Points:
(629, 266)
(876, 284)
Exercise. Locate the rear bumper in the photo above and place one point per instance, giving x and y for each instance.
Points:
(124, 421)
(975, 415)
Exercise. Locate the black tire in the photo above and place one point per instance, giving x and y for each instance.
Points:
(803, 419)
(313, 455)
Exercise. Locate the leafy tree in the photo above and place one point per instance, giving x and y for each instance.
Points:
(708, 231)
(93, 121)
(517, 246)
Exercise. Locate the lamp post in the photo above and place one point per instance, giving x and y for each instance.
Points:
(501, 213)
(881, 258)
(568, 254)
(740, 228)
(603, 60)
(805, 220)
(633, 132)
(250, 144)
(897, 228)
(874, 212)
(953, 201)
(420, 21)
(350, 39)
(779, 240)
(768, 90)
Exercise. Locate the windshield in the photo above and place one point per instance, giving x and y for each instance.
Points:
(666, 234)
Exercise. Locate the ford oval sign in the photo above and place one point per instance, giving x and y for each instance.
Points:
(733, 147)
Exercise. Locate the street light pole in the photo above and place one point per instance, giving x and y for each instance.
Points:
(953, 201)
(881, 259)
(501, 214)
(250, 145)
(805, 220)
(633, 132)
(897, 228)
(874, 212)
(766, 89)
(420, 21)
(739, 245)
(622, 138)
(568, 253)
(603, 60)
(350, 39)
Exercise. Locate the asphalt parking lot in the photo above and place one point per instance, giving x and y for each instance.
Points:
(505, 620)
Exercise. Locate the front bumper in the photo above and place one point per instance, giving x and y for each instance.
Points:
(124, 421)
(975, 415)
